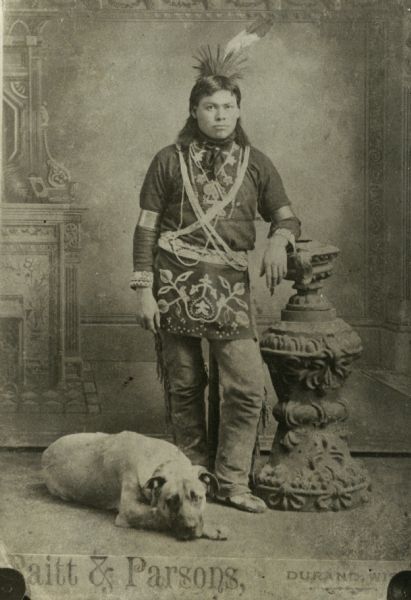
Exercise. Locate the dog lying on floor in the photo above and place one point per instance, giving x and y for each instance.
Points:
(149, 482)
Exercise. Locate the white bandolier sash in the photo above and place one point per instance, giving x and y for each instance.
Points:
(238, 260)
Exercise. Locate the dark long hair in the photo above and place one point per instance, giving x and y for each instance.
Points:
(207, 86)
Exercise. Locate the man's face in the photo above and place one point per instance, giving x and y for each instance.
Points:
(217, 115)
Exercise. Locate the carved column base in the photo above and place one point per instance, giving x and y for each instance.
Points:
(310, 467)
(309, 354)
(312, 471)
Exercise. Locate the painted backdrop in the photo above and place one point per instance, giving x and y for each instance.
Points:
(117, 92)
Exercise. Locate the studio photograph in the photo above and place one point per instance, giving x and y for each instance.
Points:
(205, 300)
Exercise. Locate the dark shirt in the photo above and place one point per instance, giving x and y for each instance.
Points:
(262, 191)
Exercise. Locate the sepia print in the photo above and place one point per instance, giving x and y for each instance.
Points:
(205, 275)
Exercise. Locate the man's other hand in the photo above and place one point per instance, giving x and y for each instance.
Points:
(148, 314)
(274, 263)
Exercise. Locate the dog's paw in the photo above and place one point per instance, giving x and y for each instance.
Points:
(121, 521)
(216, 533)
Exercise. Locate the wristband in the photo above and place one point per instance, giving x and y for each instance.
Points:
(287, 235)
(141, 279)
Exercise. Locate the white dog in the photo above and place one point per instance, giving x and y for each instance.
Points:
(149, 482)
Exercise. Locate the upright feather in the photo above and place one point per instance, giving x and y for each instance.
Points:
(230, 63)
(255, 31)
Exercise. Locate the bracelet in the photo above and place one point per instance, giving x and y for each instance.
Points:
(287, 235)
(141, 279)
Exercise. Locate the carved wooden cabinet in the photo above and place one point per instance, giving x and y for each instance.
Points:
(45, 390)
(38, 266)
(41, 371)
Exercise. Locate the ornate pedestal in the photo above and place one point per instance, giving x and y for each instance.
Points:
(309, 355)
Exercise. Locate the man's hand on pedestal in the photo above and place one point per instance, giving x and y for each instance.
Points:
(274, 263)
(148, 314)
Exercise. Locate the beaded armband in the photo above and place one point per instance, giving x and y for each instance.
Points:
(148, 219)
(141, 279)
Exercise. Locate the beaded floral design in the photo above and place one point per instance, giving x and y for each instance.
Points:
(208, 300)
(211, 191)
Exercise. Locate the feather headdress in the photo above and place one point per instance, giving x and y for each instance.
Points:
(231, 61)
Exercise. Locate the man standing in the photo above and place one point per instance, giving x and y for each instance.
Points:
(198, 205)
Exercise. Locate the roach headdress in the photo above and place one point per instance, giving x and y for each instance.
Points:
(231, 61)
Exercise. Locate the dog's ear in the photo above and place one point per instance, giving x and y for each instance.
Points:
(155, 482)
(209, 480)
(152, 487)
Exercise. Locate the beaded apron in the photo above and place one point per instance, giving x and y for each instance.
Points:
(205, 292)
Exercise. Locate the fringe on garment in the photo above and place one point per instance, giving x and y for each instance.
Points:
(163, 377)
(263, 423)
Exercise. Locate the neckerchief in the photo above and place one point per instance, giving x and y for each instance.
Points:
(215, 151)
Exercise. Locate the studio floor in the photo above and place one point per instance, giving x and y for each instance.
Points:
(31, 521)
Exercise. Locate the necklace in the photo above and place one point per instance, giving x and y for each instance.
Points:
(208, 224)
(213, 190)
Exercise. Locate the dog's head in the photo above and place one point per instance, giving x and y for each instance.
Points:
(180, 497)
